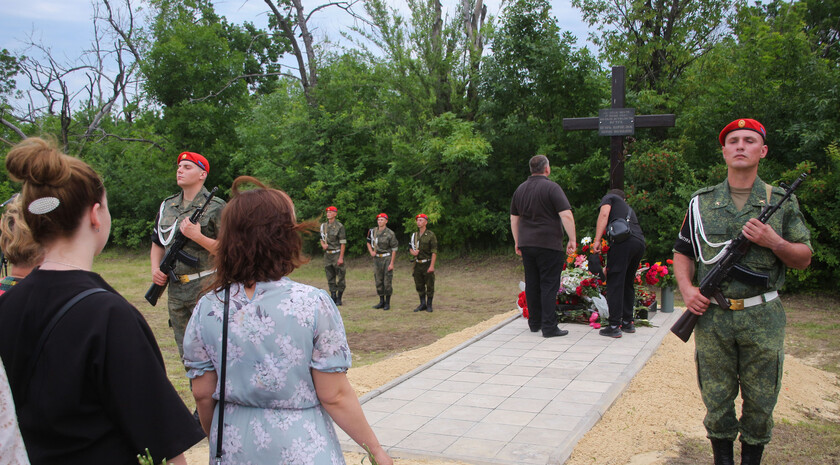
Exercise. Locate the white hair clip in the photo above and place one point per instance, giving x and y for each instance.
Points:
(43, 205)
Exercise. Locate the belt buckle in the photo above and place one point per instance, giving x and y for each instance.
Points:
(184, 279)
(736, 304)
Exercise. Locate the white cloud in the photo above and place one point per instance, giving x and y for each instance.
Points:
(75, 11)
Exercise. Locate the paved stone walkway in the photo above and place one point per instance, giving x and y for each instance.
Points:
(509, 396)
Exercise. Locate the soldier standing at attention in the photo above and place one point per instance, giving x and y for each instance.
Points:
(382, 245)
(333, 241)
(175, 212)
(741, 348)
(424, 250)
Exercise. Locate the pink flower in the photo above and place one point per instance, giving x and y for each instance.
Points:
(594, 317)
(595, 325)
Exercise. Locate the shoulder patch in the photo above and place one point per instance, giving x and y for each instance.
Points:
(704, 190)
(172, 196)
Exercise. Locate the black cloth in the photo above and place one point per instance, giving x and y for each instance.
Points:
(537, 202)
(619, 209)
(622, 262)
(542, 281)
(99, 392)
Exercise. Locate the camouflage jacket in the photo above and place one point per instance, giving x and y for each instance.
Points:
(426, 244)
(385, 241)
(333, 235)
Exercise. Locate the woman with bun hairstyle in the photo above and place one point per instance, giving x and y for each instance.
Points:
(287, 352)
(88, 378)
(17, 245)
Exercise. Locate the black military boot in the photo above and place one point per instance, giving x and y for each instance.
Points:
(338, 300)
(333, 297)
(751, 455)
(422, 305)
(381, 303)
(722, 450)
(429, 304)
(387, 303)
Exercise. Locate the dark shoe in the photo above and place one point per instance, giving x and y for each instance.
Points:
(387, 305)
(333, 297)
(610, 331)
(628, 327)
(422, 305)
(338, 298)
(381, 302)
(555, 332)
(751, 455)
(429, 304)
(722, 450)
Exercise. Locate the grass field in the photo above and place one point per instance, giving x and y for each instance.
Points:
(471, 290)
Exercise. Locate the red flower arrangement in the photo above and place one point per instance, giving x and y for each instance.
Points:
(522, 303)
(661, 275)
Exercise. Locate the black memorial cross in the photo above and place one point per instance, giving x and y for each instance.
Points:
(618, 122)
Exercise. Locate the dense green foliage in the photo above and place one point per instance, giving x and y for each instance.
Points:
(411, 117)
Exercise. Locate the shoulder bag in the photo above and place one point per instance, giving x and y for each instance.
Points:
(223, 371)
(619, 229)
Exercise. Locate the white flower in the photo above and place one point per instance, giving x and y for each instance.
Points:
(586, 240)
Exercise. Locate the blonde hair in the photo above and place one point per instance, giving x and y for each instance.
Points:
(16, 240)
(48, 174)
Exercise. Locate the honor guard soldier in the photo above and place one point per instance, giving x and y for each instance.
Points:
(334, 241)
(740, 348)
(424, 249)
(382, 245)
(174, 215)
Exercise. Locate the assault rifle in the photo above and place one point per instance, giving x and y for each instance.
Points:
(176, 252)
(727, 267)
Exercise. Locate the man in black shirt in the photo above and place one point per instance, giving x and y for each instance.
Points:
(538, 210)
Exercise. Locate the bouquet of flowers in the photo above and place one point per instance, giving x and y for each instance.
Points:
(661, 275)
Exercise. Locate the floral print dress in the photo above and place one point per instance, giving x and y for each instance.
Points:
(272, 414)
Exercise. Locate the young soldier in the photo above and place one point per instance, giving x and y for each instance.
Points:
(741, 348)
(333, 241)
(424, 250)
(382, 246)
(175, 212)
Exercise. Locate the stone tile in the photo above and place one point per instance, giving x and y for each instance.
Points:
(435, 373)
(566, 408)
(461, 412)
(456, 365)
(523, 344)
(533, 362)
(588, 386)
(524, 405)
(508, 352)
(471, 377)
(559, 373)
(440, 397)
(424, 409)
(604, 372)
(488, 368)
(471, 447)
(520, 370)
(581, 397)
(614, 358)
(402, 393)
(495, 390)
(519, 453)
(420, 383)
(511, 380)
(493, 431)
(388, 437)
(498, 359)
(573, 364)
(473, 349)
(555, 422)
(381, 404)
(373, 416)
(401, 421)
(480, 400)
(447, 426)
(427, 442)
(508, 417)
(530, 392)
(549, 383)
(456, 386)
(536, 436)
(578, 356)
(541, 353)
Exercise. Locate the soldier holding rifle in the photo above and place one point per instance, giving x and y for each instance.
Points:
(334, 241)
(382, 246)
(424, 250)
(742, 347)
(174, 215)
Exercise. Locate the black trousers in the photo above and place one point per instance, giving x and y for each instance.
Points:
(622, 262)
(542, 281)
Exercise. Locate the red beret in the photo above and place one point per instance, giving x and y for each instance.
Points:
(195, 158)
(745, 123)
(422, 215)
(332, 209)
(381, 215)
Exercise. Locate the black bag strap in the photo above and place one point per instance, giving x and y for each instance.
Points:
(49, 329)
(223, 372)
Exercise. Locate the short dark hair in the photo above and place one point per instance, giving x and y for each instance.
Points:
(617, 192)
(259, 238)
(538, 164)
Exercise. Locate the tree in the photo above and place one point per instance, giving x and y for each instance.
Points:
(657, 39)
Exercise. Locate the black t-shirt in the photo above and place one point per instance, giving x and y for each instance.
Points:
(99, 392)
(619, 209)
(537, 202)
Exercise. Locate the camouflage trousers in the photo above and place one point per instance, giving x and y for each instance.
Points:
(740, 350)
(181, 301)
(382, 276)
(335, 272)
(424, 281)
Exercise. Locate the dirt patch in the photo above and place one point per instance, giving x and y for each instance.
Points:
(657, 421)
(397, 341)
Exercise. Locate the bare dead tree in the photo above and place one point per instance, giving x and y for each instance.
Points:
(473, 17)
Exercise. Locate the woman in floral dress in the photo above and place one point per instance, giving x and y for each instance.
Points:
(287, 352)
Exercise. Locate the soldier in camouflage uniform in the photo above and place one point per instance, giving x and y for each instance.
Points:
(424, 250)
(741, 348)
(175, 212)
(333, 241)
(382, 245)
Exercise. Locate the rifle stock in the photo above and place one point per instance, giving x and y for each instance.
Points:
(737, 249)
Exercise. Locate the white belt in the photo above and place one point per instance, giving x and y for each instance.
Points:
(740, 304)
(424, 261)
(384, 254)
(334, 251)
(185, 278)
